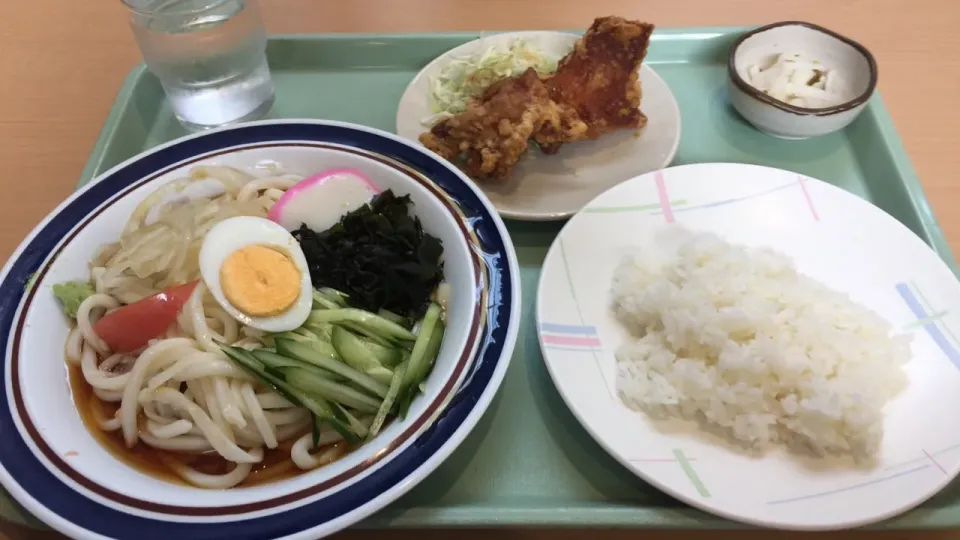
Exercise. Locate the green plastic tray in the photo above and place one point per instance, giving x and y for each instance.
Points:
(528, 462)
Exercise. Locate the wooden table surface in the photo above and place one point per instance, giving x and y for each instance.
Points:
(62, 62)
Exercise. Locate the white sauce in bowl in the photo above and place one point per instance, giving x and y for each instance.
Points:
(796, 80)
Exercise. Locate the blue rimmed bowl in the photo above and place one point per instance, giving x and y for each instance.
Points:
(53, 466)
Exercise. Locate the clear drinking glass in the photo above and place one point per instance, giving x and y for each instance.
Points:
(210, 57)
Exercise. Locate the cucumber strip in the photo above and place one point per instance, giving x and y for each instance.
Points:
(323, 411)
(393, 317)
(403, 404)
(389, 357)
(420, 361)
(352, 351)
(306, 333)
(342, 429)
(337, 412)
(320, 409)
(320, 387)
(273, 360)
(333, 295)
(381, 374)
(374, 323)
(418, 355)
(322, 302)
(300, 334)
(318, 340)
(275, 364)
(430, 355)
(418, 386)
(388, 400)
(247, 362)
(371, 335)
(318, 336)
(324, 348)
(317, 428)
(347, 434)
(360, 427)
(308, 354)
(275, 372)
(320, 333)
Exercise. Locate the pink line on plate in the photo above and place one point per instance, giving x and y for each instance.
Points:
(803, 185)
(934, 461)
(664, 196)
(566, 340)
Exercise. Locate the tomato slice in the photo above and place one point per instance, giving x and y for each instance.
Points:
(134, 325)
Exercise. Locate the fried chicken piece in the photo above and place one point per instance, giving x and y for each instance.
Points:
(594, 91)
(493, 133)
(596, 86)
(569, 128)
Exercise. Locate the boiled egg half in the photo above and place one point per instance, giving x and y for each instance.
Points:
(256, 271)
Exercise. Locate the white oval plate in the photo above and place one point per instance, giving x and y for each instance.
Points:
(555, 187)
(832, 236)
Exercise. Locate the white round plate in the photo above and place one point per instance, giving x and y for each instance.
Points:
(555, 187)
(834, 237)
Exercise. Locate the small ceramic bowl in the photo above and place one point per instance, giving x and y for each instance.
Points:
(851, 60)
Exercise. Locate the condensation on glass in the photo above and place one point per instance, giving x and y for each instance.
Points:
(210, 57)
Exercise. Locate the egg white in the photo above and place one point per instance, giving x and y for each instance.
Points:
(238, 232)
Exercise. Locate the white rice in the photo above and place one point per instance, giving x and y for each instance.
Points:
(736, 338)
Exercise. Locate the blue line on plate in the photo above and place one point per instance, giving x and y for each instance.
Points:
(568, 329)
(935, 333)
(556, 348)
(851, 488)
(731, 201)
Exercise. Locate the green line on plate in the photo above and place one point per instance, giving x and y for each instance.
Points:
(928, 307)
(634, 208)
(566, 272)
(923, 299)
(576, 303)
(925, 321)
(691, 474)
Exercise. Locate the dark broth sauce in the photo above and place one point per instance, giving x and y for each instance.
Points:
(276, 464)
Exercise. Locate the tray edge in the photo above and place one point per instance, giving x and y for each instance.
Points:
(911, 181)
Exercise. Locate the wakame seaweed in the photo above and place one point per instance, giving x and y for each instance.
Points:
(379, 255)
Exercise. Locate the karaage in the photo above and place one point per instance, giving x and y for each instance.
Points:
(598, 80)
(494, 131)
(595, 90)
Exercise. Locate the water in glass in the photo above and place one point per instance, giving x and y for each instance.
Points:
(210, 57)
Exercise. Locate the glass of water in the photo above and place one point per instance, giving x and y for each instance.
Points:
(210, 57)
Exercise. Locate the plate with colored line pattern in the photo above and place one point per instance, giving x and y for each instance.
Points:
(832, 236)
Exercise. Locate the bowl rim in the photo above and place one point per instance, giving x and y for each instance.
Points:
(371, 493)
(793, 109)
(413, 425)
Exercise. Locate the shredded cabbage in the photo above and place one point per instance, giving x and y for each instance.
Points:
(466, 78)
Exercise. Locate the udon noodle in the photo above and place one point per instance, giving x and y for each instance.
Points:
(180, 393)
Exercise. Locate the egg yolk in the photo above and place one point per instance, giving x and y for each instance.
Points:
(260, 281)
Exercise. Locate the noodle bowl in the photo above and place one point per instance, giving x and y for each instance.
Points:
(174, 403)
(181, 393)
(85, 480)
